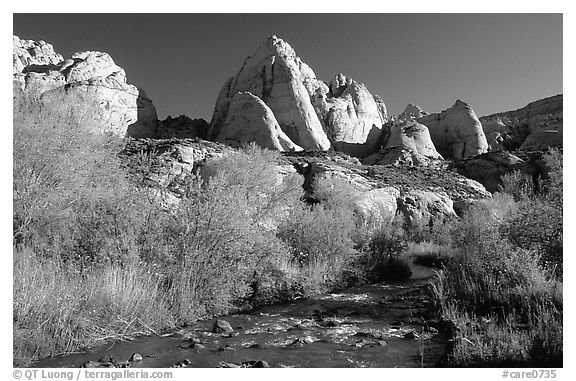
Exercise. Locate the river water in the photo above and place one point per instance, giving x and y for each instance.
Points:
(378, 325)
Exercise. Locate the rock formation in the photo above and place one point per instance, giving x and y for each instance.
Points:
(489, 168)
(456, 132)
(419, 193)
(277, 76)
(406, 142)
(376, 206)
(538, 125)
(312, 114)
(351, 116)
(29, 53)
(249, 119)
(166, 165)
(86, 79)
(419, 206)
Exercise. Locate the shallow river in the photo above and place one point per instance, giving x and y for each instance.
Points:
(375, 325)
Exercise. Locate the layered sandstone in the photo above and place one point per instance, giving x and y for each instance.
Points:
(536, 126)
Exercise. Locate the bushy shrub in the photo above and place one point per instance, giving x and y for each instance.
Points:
(538, 222)
(497, 292)
(71, 196)
(538, 226)
(220, 238)
(320, 243)
(518, 184)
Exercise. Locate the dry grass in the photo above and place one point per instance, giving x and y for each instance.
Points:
(58, 310)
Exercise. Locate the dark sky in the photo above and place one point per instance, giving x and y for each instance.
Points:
(495, 62)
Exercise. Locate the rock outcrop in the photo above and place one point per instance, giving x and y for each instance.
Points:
(165, 166)
(278, 77)
(419, 206)
(312, 114)
(351, 116)
(88, 79)
(419, 192)
(249, 119)
(536, 126)
(489, 168)
(406, 142)
(456, 132)
(376, 206)
(31, 53)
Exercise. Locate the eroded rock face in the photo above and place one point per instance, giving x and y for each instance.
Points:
(456, 132)
(165, 166)
(489, 168)
(277, 76)
(421, 206)
(28, 52)
(312, 114)
(89, 79)
(249, 119)
(376, 206)
(352, 117)
(406, 142)
(429, 192)
(536, 126)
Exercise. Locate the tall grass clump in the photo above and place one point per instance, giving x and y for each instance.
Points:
(59, 310)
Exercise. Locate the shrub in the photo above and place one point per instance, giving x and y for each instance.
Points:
(518, 184)
(219, 240)
(537, 225)
(320, 243)
(71, 196)
(505, 304)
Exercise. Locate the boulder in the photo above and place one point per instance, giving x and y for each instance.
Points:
(376, 206)
(249, 119)
(456, 132)
(136, 357)
(406, 142)
(222, 326)
(414, 138)
(88, 80)
(419, 205)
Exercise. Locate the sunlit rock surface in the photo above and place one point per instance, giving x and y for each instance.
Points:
(87, 78)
